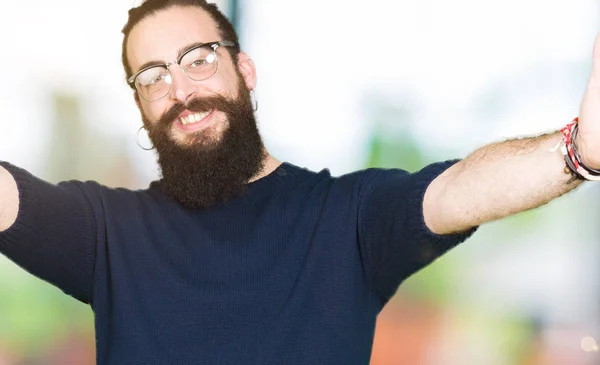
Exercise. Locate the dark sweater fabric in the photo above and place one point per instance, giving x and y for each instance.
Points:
(294, 271)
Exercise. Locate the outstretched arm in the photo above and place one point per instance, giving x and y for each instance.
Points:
(9, 199)
(509, 177)
(495, 181)
(51, 230)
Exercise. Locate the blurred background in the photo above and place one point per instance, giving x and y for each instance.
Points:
(342, 85)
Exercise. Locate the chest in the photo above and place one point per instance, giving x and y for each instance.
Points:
(234, 284)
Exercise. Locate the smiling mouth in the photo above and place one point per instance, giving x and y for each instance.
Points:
(193, 118)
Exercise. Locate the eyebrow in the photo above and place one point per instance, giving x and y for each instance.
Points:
(180, 53)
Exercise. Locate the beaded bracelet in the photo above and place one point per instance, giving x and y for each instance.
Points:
(577, 157)
(571, 156)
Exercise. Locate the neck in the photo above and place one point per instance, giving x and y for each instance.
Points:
(269, 165)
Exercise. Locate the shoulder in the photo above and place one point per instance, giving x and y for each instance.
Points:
(372, 177)
(383, 184)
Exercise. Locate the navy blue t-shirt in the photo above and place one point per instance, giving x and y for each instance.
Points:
(294, 271)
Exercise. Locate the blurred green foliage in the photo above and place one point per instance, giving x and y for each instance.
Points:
(38, 311)
(392, 145)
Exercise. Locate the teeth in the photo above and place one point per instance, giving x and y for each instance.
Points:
(193, 118)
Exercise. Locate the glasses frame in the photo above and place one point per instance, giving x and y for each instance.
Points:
(213, 45)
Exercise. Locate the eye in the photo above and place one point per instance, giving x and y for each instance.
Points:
(198, 63)
(156, 79)
(152, 76)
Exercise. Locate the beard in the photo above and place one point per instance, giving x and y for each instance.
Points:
(215, 164)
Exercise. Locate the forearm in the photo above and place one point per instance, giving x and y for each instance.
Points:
(496, 181)
(9, 199)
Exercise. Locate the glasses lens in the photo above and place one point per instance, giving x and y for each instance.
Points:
(154, 83)
(200, 63)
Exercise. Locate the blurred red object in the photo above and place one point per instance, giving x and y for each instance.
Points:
(405, 331)
(5, 357)
(75, 348)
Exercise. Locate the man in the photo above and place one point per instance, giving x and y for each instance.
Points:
(235, 257)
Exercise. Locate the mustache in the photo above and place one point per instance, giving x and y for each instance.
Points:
(197, 105)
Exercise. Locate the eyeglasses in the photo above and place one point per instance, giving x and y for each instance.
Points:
(198, 63)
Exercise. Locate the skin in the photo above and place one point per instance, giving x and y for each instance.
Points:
(159, 37)
(509, 177)
(589, 115)
(494, 181)
(9, 199)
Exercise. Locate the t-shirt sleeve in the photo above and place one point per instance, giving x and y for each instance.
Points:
(392, 228)
(54, 236)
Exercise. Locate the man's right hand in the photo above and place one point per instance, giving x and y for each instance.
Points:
(9, 200)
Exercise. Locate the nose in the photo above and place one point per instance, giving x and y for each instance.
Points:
(182, 87)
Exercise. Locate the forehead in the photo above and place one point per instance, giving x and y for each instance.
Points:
(160, 36)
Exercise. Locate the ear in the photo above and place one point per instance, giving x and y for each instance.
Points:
(247, 69)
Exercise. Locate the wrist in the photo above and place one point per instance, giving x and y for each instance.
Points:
(573, 160)
(585, 155)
